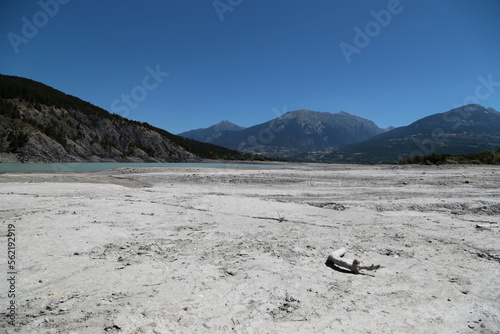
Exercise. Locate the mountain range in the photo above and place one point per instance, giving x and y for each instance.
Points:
(293, 133)
(341, 137)
(466, 129)
(41, 124)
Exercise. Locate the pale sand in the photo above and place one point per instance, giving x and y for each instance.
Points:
(201, 250)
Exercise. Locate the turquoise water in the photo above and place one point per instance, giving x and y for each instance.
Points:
(100, 166)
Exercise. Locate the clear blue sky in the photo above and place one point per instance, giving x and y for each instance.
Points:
(246, 58)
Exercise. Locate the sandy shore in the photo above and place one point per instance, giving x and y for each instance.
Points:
(243, 250)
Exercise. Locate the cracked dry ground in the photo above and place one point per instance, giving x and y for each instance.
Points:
(201, 250)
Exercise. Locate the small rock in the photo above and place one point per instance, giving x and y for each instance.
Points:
(231, 272)
(108, 328)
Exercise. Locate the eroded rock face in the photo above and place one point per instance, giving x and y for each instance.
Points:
(61, 135)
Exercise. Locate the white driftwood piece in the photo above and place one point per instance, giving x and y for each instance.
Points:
(353, 265)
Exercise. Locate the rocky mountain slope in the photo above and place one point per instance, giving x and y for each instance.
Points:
(41, 124)
(207, 135)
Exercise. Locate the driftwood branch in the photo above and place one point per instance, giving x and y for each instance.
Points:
(353, 265)
(488, 226)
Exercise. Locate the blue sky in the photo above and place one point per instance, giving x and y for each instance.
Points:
(247, 61)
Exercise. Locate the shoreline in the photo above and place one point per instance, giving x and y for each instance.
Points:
(79, 167)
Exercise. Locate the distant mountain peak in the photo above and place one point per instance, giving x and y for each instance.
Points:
(225, 123)
(207, 135)
(389, 128)
(473, 108)
(225, 126)
(471, 112)
(301, 112)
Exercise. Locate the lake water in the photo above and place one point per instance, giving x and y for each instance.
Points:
(100, 166)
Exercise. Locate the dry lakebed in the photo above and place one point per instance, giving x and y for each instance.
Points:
(244, 250)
